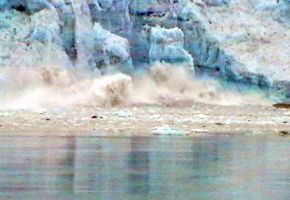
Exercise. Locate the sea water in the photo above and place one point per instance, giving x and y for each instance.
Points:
(206, 167)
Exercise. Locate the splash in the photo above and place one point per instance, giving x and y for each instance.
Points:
(53, 87)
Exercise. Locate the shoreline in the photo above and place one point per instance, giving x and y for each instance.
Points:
(144, 120)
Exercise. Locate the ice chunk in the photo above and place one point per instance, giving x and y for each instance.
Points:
(166, 130)
(123, 114)
(112, 52)
(167, 46)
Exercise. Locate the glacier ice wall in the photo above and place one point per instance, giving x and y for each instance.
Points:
(167, 45)
(243, 41)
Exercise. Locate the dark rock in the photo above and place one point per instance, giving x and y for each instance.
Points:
(282, 105)
(27, 6)
(20, 8)
(284, 133)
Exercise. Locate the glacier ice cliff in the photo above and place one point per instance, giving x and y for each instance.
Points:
(167, 45)
(110, 52)
(245, 41)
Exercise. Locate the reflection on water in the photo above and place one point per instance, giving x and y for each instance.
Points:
(213, 167)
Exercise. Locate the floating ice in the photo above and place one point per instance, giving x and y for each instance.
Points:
(166, 130)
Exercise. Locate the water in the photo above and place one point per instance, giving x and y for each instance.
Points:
(213, 167)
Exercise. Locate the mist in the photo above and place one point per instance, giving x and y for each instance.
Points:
(52, 87)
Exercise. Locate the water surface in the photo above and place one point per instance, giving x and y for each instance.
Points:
(211, 167)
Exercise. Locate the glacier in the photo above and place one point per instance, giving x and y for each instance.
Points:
(167, 45)
(240, 41)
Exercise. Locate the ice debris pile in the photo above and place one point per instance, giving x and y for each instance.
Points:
(243, 41)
